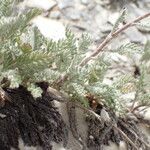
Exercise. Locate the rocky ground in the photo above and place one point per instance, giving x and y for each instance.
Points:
(95, 17)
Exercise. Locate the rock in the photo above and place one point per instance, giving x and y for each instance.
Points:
(75, 16)
(101, 17)
(111, 146)
(122, 145)
(82, 127)
(55, 14)
(106, 29)
(72, 14)
(147, 114)
(135, 36)
(85, 2)
(2, 115)
(62, 4)
(128, 97)
(91, 137)
(51, 29)
(113, 17)
(105, 116)
(44, 4)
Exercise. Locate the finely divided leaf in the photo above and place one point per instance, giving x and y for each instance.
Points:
(119, 20)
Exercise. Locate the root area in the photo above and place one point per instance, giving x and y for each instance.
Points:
(36, 121)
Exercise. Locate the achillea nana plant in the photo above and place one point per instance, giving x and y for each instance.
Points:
(30, 64)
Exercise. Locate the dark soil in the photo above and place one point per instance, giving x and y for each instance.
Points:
(101, 133)
(37, 122)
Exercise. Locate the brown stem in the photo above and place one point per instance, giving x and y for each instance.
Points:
(135, 134)
(110, 37)
(138, 106)
(126, 137)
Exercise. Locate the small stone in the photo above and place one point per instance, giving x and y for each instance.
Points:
(72, 14)
(91, 137)
(106, 29)
(65, 4)
(50, 28)
(135, 36)
(122, 145)
(101, 18)
(2, 115)
(44, 4)
(85, 2)
(75, 16)
(147, 114)
(105, 116)
(113, 17)
(55, 15)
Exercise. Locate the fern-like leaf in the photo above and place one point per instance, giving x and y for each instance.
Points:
(15, 25)
(146, 55)
(6, 7)
(84, 42)
(119, 20)
(144, 27)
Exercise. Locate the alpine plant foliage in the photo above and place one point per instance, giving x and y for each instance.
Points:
(27, 58)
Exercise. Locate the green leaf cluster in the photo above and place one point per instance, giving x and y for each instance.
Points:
(26, 57)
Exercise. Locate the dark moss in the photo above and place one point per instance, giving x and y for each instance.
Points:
(37, 122)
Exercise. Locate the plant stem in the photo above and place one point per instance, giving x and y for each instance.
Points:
(110, 37)
(126, 137)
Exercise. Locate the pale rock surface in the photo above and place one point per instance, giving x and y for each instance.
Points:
(113, 146)
(101, 18)
(44, 4)
(147, 114)
(133, 33)
(85, 2)
(82, 129)
(73, 144)
(51, 29)
(22, 146)
(113, 17)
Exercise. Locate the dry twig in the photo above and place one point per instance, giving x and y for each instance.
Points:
(110, 37)
(100, 48)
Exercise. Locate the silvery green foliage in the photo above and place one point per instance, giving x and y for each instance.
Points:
(146, 54)
(26, 57)
(142, 84)
(130, 49)
(13, 26)
(35, 91)
(6, 7)
(125, 83)
(84, 42)
(120, 20)
(13, 77)
(143, 26)
(79, 93)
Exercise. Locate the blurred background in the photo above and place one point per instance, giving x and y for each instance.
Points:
(96, 17)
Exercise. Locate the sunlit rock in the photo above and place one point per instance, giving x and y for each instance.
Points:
(51, 29)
